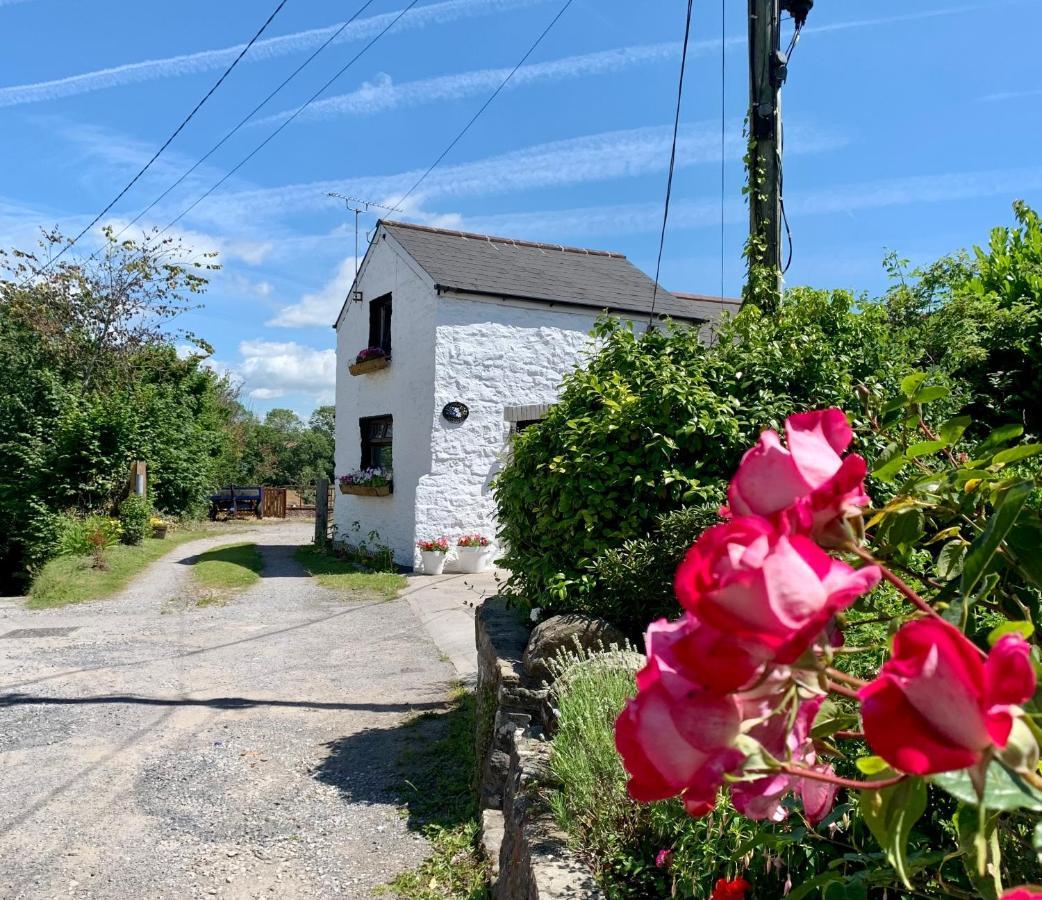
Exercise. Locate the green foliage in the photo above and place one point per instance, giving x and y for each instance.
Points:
(657, 422)
(79, 535)
(634, 582)
(90, 381)
(281, 449)
(135, 519)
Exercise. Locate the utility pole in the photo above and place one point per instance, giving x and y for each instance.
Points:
(768, 67)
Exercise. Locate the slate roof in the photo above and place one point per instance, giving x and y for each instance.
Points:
(460, 262)
(708, 307)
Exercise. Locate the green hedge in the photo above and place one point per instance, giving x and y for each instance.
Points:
(656, 423)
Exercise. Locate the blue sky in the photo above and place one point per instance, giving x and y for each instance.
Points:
(910, 126)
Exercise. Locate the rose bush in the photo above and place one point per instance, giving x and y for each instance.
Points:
(731, 697)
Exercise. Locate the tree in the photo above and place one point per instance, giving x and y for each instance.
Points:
(90, 380)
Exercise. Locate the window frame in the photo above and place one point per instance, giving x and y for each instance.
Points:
(381, 310)
(369, 447)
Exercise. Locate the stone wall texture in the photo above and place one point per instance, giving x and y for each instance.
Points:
(529, 853)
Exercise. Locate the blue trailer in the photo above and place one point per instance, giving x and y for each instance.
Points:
(236, 503)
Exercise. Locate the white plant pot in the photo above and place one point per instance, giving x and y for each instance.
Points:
(433, 562)
(472, 560)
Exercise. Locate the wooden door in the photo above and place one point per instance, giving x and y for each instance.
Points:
(274, 504)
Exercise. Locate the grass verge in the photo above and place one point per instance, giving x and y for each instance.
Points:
(439, 768)
(346, 578)
(226, 570)
(73, 579)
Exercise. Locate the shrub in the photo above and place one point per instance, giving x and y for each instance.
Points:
(657, 422)
(135, 517)
(81, 535)
(633, 584)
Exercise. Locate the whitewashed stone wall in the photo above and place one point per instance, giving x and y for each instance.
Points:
(488, 355)
(404, 390)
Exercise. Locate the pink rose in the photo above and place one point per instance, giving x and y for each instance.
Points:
(765, 589)
(1024, 892)
(675, 737)
(664, 859)
(936, 706)
(809, 485)
(788, 739)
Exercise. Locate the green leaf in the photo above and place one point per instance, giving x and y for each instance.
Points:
(930, 393)
(980, 849)
(910, 384)
(851, 890)
(808, 887)
(1024, 629)
(1036, 841)
(986, 545)
(1022, 451)
(890, 814)
(905, 527)
(950, 559)
(1025, 540)
(871, 765)
(889, 463)
(999, 436)
(953, 429)
(1003, 790)
(830, 719)
(924, 448)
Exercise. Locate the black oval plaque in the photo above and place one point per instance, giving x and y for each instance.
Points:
(455, 411)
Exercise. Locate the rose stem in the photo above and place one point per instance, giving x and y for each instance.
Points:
(812, 775)
(896, 582)
(844, 677)
(844, 691)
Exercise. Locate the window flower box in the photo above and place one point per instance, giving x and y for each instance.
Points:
(367, 483)
(371, 359)
(365, 490)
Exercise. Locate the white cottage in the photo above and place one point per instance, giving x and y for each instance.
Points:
(478, 332)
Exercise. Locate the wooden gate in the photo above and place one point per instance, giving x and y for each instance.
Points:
(274, 505)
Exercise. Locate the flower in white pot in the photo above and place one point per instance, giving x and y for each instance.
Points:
(474, 552)
(432, 555)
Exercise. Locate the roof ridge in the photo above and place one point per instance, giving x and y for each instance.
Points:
(493, 239)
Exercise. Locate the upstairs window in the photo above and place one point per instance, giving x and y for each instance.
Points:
(377, 435)
(380, 323)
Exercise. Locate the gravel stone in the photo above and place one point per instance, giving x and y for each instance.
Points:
(241, 751)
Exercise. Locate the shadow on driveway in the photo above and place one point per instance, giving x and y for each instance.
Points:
(425, 765)
(211, 702)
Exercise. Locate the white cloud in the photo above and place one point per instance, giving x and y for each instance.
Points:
(251, 252)
(268, 370)
(637, 218)
(322, 306)
(1010, 95)
(265, 49)
(591, 158)
(382, 94)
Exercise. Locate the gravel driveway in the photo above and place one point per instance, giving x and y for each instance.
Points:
(160, 749)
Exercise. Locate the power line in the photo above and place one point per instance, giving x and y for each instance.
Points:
(484, 106)
(176, 132)
(723, 133)
(287, 121)
(672, 159)
(248, 116)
